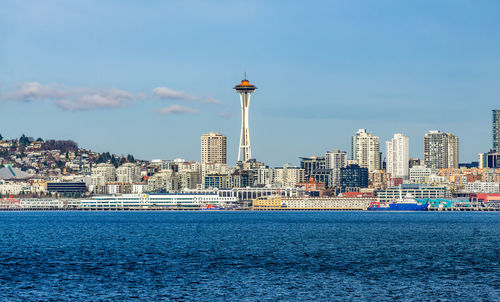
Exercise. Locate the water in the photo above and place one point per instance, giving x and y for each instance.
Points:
(249, 256)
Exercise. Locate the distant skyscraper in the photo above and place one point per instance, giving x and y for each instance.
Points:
(397, 152)
(335, 160)
(366, 150)
(496, 130)
(245, 89)
(213, 148)
(440, 150)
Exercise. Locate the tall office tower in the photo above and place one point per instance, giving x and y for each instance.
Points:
(213, 148)
(440, 150)
(366, 150)
(397, 152)
(245, 89)
(496, 130)
(335, 160)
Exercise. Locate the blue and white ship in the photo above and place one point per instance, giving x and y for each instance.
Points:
(402, 204)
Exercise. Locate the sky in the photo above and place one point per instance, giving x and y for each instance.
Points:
(150, 77)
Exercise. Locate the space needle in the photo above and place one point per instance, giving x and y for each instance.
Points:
(245, 89)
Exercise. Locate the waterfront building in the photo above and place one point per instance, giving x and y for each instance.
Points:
(353, 176)
(420, 174)
(496, 130)
(187, 200)
(365, 150)
(397, 153)
(335, 160)
(128, 173)
(213, 148)
(310, 203)
(414, 190)
(67, 187)
(440, 150)
(245, 90)
(482, 187)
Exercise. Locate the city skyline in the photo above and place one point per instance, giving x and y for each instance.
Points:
(124, 83)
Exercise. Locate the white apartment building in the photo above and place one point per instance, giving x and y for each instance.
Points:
(398, 156)
(288, 176)
(102, 174)
(365, 150)
(265, 176)
(128, 173)
(163, 180)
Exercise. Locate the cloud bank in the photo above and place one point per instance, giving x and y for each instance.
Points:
(166, 93)
(73, 99)
(176, 109)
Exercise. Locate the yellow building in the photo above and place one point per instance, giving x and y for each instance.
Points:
(267, 203)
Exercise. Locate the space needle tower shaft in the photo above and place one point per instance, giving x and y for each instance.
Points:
(245, 90)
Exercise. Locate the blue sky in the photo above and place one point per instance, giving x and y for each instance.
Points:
(88, 70)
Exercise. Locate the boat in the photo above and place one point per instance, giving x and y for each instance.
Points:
(402, 204)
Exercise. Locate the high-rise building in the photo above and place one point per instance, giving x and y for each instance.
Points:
(397, 153)
(335, 160)
(245, 90)
(366, 150)
(213, 148)
(353, 176)
(496, 130)
(440, 150)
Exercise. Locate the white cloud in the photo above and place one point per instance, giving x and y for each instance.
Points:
(212, 101)
(176, 109)
(35, 91)
(166, 93)
(74, 99)
(170, 94)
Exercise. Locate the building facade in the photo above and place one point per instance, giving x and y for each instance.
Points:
(213, 148)
(398, 155)
(496, 130)
(353, 176)
(366, 150)
(335, 160)
(440, 150)
(128, 173)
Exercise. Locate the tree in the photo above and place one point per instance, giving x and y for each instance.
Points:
(1, 137)
(39, 139)
(24, 141)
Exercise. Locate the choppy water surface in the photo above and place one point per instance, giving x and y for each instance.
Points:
(249, 256)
